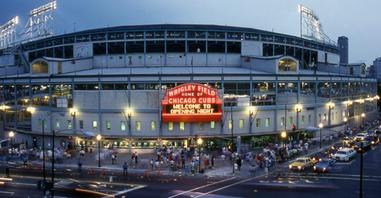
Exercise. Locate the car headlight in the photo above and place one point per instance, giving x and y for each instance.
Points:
(299, 167)
(323, 169)
(314, 167)
(372, 142)
(290, 166)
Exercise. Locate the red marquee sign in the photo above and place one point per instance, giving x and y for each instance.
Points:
(191, 102)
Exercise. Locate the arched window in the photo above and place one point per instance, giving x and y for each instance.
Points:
(40, 67)
(287, 64)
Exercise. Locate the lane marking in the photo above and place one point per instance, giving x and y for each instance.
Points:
(7, 192)
(228, 186)
(128, 190)
(184, 192)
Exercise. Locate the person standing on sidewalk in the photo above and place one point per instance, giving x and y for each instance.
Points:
(79, 166)
(151, 163)
(239, 163)
(306, 147)
(125, 168)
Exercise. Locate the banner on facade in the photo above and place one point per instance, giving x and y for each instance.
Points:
(191, 102)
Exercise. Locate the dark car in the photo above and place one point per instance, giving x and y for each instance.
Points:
(324, 165)
(315, 158)
(366, 145)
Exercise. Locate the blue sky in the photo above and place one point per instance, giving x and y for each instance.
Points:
(358, 20)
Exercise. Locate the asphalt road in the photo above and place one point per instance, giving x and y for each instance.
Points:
(342, 181)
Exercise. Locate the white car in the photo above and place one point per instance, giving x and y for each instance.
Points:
(360, 136)
(344, 154)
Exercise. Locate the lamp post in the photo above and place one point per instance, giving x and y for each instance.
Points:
(320, 127)
(11, 135)
(99, 138)
(4, 108)
(363, 119)
(345, 119)
(199, 143)
(128, 111)
(283, 135)
(252, 113)
(330, 106)
(298, 109)
(73, 113)
(231, 131)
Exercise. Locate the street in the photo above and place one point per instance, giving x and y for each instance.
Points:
(342, 181)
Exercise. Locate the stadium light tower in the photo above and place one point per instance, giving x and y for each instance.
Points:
(8, 33)
(313, 27)
(40, 22)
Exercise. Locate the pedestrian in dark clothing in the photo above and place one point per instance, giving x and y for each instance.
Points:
(79, 166)
(239, 163)
(125, 168)
(7, 171)
(212, 161)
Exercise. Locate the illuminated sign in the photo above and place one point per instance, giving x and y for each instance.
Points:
(191, 102)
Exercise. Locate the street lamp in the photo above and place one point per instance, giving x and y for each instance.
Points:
(252, 113)
(298, 109)
(330, 106)
(363, 119)
(199, 143)
(4, 108)
(99, 138)
(320, 127)
(345, 119)
(128, 111)
(11, 135)
(283, 135)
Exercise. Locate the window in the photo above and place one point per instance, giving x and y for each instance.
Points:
(279, 50)
(267, 122)
(196, 46)
(241, 123)
(233, 47)
(122, 125)
(194, 34)
(258, 122)
(80, 124)
(69, 124)
(230, 124)
(153, 125)
(95, 124)
(303, 119)
(212, 125)
(99, 48)
(155, 46)
(309, 119)
(282, 121)
(287, 64)
(68, 50)
(182, 126)
(138, 126)
(108, 124)
(325, 117)
(268, 50)
(57, 124)
(135, 47)
(170, 126)
(116, 48)
(216, 47)
(40, 67)
(176, 46)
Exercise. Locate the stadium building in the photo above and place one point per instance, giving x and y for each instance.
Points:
(145, 85)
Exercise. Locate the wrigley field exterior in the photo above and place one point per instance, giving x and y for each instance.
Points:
(146, 85)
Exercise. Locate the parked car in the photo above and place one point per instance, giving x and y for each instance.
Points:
(301, 163)
(344, 154)
(324, 165)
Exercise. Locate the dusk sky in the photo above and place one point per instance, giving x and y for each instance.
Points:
(358, 20)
